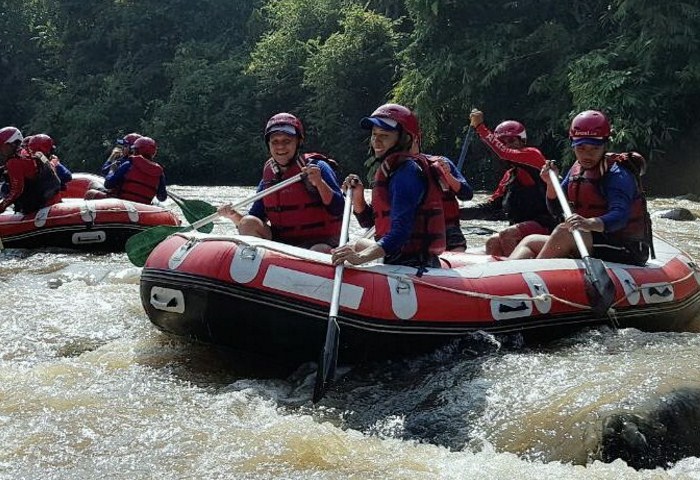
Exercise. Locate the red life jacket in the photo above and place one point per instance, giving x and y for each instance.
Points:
(41, 185)
(586, 197)
(297, 214)
(141, 181)
(450, 205)
(428, 236)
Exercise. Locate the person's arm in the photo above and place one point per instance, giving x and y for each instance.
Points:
(407, 188)
(620, 190)
(116, 178)
(162, 193)
(364, 213)
(526, 156)
(17, 169)
(455, 180)
(502, 187)
(62, 171)
(256, 210)
(366, 218)
(112, 162)
(328, 188)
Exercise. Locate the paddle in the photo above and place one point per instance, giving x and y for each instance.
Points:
(140, 246)
(465, 147)
(195, 210)
(600, 287)
(329, 356)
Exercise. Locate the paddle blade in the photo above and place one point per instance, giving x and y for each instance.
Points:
(195, 210)
(599, 286)
(328, 361)
(140, 246)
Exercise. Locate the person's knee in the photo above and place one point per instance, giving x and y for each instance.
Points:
(253, 226)
(493, 245)
(321, 247)
(509, 239)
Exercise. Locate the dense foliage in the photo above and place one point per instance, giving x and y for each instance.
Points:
(203, 77)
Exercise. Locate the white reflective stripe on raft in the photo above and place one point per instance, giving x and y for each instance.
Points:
(88, 211)
(245, 264)
(131, 211)
(41, 216)
(311, 286)
(538, 287)
(403, 297)
(658, 292)
(628, 284)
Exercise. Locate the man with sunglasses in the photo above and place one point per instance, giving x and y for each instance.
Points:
(520, 195)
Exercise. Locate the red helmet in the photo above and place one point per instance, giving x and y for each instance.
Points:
(511, 128)
(145, 146)
(128, 139)
(285, 123)
(590, 124)
(398, 113)
(40, 143)
(10, 135)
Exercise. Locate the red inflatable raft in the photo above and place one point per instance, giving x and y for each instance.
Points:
(81, 183)
(273, 299)
(102, 225)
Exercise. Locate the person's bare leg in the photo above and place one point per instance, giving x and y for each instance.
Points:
(362, 243)
(321, 247)
(504, 242)
(493, 245)
(253, 226)
(529, 247)
(562, 245)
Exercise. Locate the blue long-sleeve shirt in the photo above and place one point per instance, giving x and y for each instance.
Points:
(619, 189)
(113, 180)
(334, 208)
(107, 166)
(465, 190)
(64, 175)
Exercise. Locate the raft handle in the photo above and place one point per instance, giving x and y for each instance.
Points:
(167, 300)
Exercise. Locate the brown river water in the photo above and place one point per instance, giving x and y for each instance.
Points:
(90, 389)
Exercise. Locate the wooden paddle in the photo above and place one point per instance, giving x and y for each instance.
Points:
(195, 210)
(329, 356)
(140, 246)
(600, 287)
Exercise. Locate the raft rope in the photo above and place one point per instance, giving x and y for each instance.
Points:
(79, 213)
(485, 296)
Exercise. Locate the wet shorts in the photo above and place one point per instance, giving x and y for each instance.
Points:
(417, 261)
(630, 253)
(332, 242)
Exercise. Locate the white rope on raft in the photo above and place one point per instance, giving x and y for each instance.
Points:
(79, 213)
(469, 293)
(466, 293)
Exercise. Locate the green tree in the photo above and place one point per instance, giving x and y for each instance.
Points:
(348, 76)
(645, 72)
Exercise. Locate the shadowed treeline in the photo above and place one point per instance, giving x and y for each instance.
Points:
(203, 77)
